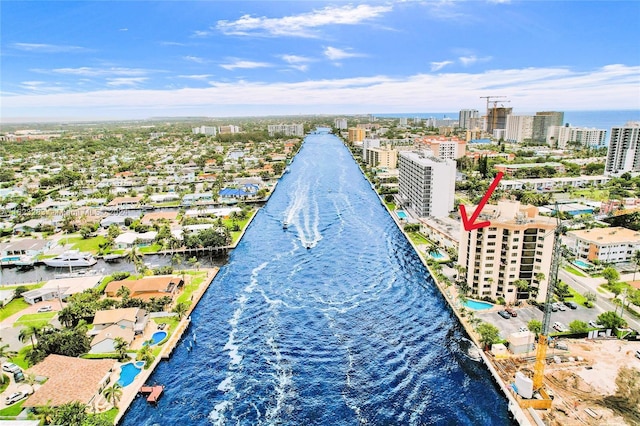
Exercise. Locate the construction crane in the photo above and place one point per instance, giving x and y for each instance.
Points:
(543, 338)
(495, 101)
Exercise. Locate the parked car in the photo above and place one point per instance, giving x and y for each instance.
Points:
(593, 323)
(511, 312)
(559, 326)
(572, 305)
(562, 345)
(14, 397)
(45, 308)
(504, 314)
(561, 307)
(10, 367)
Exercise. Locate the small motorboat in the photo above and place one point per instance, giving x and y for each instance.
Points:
(285, 225)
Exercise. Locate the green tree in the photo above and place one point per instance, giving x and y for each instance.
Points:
(610, 320)
(121, 346)
(535, 326)
(591, 298)
(145, 354)
(70, 414)
(113, 394)
(45, 413)
(489, 333)
(31, 332)
(135, 257)
(577, 326)
(611, 275)
(5, 352)
(181, 308)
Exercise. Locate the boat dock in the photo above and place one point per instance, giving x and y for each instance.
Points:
(154, 392)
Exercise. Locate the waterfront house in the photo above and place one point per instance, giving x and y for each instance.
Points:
(69, 379)
(134, 319)
(129, 240)
(154, 286)
(61, 288)
(105, 340)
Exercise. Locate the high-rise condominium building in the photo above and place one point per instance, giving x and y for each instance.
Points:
(519, 128)
(205, 130)
(497, 118)
(286, 129)
(367, 144)
(624, 149)
(356, 134)
(542, 121)
(426, 184)
(468, 118)
(560, 136)
(511, 258)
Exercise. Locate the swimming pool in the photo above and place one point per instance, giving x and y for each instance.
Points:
(436, 255)
(477, 305)
(128, 372)
(582, 264)
(157, 337)
(401, 214)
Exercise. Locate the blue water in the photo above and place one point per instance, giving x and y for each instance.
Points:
(583, 265)
(157, 337)
(348, 332)
(128, 372)
(476, 305)
(401, 214)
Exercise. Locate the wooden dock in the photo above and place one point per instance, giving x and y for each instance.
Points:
(154, 392)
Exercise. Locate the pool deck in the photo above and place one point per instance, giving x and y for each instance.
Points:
(130, 392)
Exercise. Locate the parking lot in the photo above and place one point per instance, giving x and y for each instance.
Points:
(526, 314)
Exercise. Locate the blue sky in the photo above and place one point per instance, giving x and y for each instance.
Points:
(127, 59)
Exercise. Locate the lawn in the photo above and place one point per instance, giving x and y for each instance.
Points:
(418, 238)
(12, 410)
(235, 235)
(592, 194)
(576, 297)
(574, 271)
(196, 280)
(390, 206)
(20, 360)
(35, 319)
(13, 307)
(86, 245)
(153, 248)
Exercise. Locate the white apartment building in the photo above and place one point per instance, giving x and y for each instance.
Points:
(624, 149)
(559, 136)
(518, 245)
(426, 184)
(340, 123)
(205, 130)
(610, 245)
(468, 118)
(286, 129)
(367, 144)
(519, 128)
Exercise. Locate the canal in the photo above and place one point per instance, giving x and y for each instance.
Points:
(331, 321)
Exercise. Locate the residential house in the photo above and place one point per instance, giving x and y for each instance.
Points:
(154, 286)
(134, 319)
(129, 240)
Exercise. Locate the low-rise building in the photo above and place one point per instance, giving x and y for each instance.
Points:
(155, 286)
(607, 245)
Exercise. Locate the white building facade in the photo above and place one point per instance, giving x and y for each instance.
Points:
(426, 184)
(519, 128)
(559, 136)
(624, 149)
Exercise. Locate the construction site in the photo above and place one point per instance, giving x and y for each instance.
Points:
(594, 382)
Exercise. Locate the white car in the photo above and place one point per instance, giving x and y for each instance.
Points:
(14, 397)
(559, 327)
(561, 307)
(10, 367)
(594, 324)
(45, 308)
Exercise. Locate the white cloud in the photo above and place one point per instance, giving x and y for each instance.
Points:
(96, 72)
(437, 66)
(299, 63)
(303, 25)
(335, 54)
(48, 48)
(196, 76)
(125, 81)
(610, 87)
(240, 64)
(123, 29)
(196, 59)
(472, 59)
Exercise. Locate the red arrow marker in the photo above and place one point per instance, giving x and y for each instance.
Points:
(468, 223)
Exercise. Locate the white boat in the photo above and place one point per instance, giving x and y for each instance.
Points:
(71, 259)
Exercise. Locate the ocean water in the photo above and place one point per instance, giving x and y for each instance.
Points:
(331, 321)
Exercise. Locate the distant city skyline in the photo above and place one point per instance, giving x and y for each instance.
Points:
(118, 60)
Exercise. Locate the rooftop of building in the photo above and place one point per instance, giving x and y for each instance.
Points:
(607, 235)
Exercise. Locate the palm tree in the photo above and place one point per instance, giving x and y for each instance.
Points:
(45, 413)
(181, 309)
(121, 346)
(145, 354)
(113, 394)
(635, 258)
(30, 332)
(123, 292)
(5, 352)
(134, 257)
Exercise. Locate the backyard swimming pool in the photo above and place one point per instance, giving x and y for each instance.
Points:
(128, 372)
(401, 214)
(157, 337)
(436, 255)
(477, 305)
